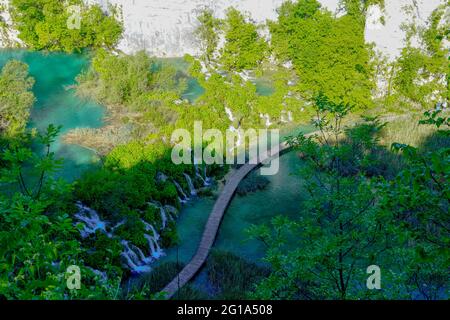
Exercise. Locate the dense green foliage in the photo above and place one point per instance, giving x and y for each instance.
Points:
(16, 98)
(208, 35)
(43, 24)
(365, 204)
(356, 217)
(244, 48)
(233, 277)
(421, 76)
(38, 240)
(329, 54)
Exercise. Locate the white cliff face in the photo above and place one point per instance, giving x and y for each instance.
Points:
(165, 28)
(8, 37)
(389, 37)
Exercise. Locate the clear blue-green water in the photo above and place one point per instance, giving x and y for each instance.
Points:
(282, 196)
(57, 104)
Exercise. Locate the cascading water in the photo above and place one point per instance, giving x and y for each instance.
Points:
(101, 274)
(162, 212)
(171, 211)
(92, 221)
(207, 179)
(155, 250)
(133, 257)
(190, 184)
(184, 198)
(136, 264)
(199, 176)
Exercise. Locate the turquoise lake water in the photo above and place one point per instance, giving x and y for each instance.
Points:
(281, 197)
(57, 104)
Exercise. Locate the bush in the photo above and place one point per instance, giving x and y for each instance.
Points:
(42, 25)
(232, 276)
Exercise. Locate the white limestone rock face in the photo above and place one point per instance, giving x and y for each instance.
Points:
(164, 28)
(389, 38)
(8, 36)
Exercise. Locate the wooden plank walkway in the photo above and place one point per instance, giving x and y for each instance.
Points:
(214, 220)
(218, 211)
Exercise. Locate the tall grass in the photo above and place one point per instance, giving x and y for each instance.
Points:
(409, 131)
(231, 276)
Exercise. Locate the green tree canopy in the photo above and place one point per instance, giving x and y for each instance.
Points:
(16, 98)
(423, 71)
(329, 54)
(208, 34)
(244, 48)
(43, 25)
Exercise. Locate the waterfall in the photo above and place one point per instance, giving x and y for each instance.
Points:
(172, 211)
(142, 257)
(204, 178)
(101, 274)
(136, 259)
(136, 264)
(155, 249)
(190, 184)
(207, 179)
(113, 229)
(181, 192)
(92, 221)
(198, 175)
(162, 213)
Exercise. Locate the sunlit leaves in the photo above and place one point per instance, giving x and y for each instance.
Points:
(43, 25)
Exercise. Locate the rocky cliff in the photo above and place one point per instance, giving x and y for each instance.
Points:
(165, 27)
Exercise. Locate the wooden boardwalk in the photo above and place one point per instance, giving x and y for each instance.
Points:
(214, 220)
